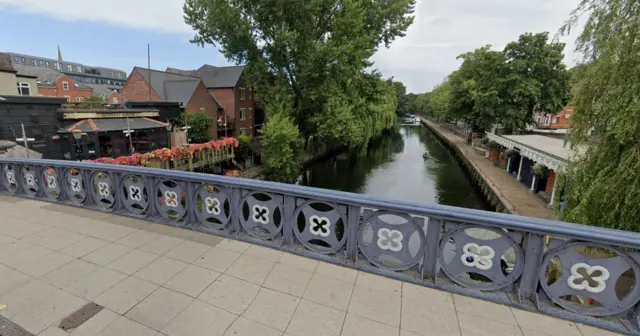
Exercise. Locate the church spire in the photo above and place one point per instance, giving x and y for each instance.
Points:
(59, 54)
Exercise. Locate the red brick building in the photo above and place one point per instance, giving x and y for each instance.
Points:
(154, 85)
(228, 86)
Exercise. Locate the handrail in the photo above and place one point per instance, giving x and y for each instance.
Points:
(461, 250)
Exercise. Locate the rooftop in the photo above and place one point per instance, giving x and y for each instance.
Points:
(152, 279)
(550, 145)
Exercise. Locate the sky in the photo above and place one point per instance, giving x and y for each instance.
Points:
(115, 34)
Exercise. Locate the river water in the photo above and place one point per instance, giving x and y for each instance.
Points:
(393, 167)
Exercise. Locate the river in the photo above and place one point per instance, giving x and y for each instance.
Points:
(393, 167)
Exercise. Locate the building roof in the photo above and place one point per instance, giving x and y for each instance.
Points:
(102, 90)
(558, 148)
(113, 124)
(220, 77)
(5, 63)
(213, 76)
(46, 77)
(172, 86)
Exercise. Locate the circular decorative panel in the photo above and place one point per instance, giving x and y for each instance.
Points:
(590, 279)
(103, 190)
(76, 190)
(320, 226)
(481, 258)
(30, 180)
(51, 183)
(171, 201)
(392, 241)
(10, 178)
(261, 215)
(214, 207)
(135, 196)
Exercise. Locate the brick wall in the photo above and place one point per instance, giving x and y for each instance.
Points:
(230, 100)
(247, 104)
(201, 99)
(137, 89)
(114, 98)
(72, 92)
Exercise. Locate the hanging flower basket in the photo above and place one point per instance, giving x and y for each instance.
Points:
(539, 169)
(164, 155)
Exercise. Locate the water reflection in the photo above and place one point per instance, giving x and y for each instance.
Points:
(393, 167)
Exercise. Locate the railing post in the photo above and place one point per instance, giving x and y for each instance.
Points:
(533, 252)
(289, 207)
(192, 205)
(236, 211)
(353, 222)
(432, 241)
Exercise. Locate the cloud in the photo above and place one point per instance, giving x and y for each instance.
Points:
(442, 29)
(154, 15)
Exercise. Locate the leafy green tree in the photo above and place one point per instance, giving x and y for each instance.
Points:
(317, 51)
(603, 186)
(401, 96)
(200, 126)
(438, 101)
(536, 77)
(244, 147)
(280, 149)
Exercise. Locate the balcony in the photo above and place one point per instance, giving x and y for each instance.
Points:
(398, 254)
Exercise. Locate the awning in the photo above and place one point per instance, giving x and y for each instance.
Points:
(115, 124)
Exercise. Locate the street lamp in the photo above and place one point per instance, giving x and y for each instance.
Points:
(77, 135)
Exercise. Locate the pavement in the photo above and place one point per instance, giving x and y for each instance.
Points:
(157, 280)
(516, 194)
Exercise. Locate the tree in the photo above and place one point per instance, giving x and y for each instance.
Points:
(603, 186)
(199, 126)
(536, 78)
(244, 148)
(317, 51)
(401, 96)
(438, 101)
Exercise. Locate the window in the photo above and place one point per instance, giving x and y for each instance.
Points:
(56, 66)
(16, 59)
(22, 60)
(68, 98)
(243, 112)
(65, 86)
(33, 62)
(114, 100)
(46, 63)
(242, 93)
(79, 68)
(69, 67)
(24, 89)
(41, 63)
(243, 131)
(79, 99)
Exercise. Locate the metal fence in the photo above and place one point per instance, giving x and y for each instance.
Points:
(586, 274)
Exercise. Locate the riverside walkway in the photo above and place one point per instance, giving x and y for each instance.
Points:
(156, 280)
(515, 193)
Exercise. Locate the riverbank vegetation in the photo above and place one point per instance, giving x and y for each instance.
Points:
(312, 57)
(603, 187)
(502, 87)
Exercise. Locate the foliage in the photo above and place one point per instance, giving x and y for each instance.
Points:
(316, 51)
(244, 147)
(200, 125)
(539, 169)
(603, 185)
(401, 97)
(503, 87)
(280, 148)
(90, 102)
(166, 154)
(436, 102)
